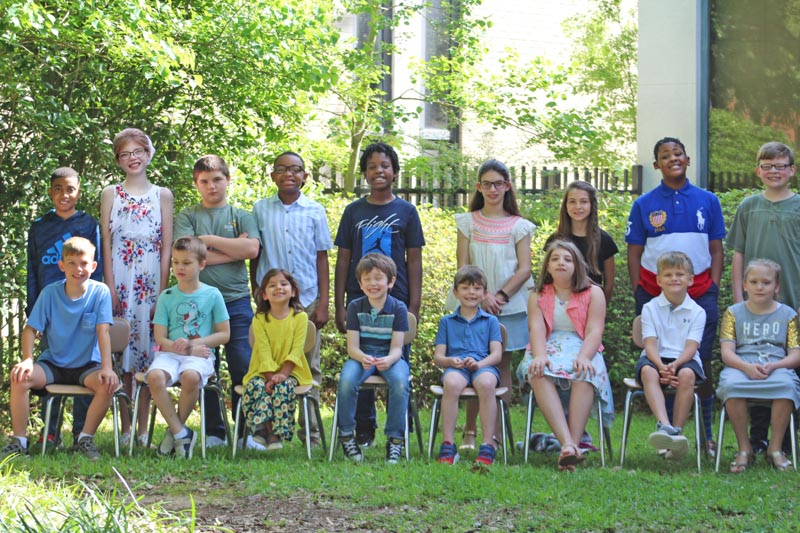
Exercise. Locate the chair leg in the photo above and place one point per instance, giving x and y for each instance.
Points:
(528, 425)
(115, 422)
(434, 426)
(318, 414)
(224, 411)
(626, 423)
(334, 428)
(203, 422)
(308, 426)
(504, 429)
(720, 436)
(508, 433)
(134, 416)
(236, 431)
(698, 427)
(48, 411)
(792, 437)
(601, 433)
(415, 414)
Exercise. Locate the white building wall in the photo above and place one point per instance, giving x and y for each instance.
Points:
(669, 88)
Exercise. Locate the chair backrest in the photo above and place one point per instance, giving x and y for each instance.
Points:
(411, 334)
(636, 331)
(120, 333)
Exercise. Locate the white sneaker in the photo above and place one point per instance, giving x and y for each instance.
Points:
(252, 444)
(212, 441)
(167, 446)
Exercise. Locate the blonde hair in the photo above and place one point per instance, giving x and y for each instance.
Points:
(675, 260)
(765, 263)
(580, 277)
(77, 246)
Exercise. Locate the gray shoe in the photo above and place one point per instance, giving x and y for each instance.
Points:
(185, 447)
(14, 447)
(167, 446)
(87, 447)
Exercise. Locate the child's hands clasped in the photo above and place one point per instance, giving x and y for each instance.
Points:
(273, 380)
(755, 371)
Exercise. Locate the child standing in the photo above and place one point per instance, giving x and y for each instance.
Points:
(136, 221)
(278, 364)
(383, 223)
(74, 315)
(46, 237)
(578, 223)
(677, 216)
(231, 237)
(567, 315)
(302, 249)
(376, 325)
(767, 225)
(494, 237)
(672, 328)
(468, 348)
(190, 321)
(760, 349)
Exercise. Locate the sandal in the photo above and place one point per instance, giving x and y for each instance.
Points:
(468, 440)
(742, 461)
(569, 457)
(779, 461)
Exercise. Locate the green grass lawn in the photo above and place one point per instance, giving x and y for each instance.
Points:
(283, 491)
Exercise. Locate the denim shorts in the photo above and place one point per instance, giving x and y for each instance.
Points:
(469, 375)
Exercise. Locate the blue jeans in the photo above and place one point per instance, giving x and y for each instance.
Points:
(351, 378)
(237, 354)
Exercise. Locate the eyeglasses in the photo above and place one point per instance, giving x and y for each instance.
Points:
(496, 185)
(779, 167)
(123, 156)
(294, 169)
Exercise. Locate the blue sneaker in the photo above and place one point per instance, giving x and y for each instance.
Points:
(486, 454)
(448, 453)
(185, 447)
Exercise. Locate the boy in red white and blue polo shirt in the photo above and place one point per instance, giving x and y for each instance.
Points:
(677, 216)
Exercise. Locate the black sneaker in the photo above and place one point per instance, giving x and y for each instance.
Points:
(394, 450)
(366, 439)
(350, 447)
(185, 447)
(14, 447)
(87, 447)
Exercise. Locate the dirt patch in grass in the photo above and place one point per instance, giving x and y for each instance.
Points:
(261, 512)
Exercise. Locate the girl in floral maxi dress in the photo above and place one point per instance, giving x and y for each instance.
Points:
(566, 315)
(136, 221)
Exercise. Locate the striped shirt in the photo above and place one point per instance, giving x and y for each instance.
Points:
(291, 236)
(375, 326)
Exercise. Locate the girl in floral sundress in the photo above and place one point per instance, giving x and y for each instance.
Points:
(136, 221)
(278, 363)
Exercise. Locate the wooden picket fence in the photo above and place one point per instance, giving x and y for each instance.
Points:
(527, 180)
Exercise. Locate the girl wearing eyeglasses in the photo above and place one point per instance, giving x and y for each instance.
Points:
(494, 237)
(136, 222)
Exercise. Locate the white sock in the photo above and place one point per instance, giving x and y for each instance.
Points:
(22, 440)
(84, 435)
(182, 433)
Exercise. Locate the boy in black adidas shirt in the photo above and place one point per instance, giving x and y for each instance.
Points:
(45, 239)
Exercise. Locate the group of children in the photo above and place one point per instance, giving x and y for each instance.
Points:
(675, 256)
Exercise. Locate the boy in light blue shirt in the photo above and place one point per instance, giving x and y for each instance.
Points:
(75, 317)
(468, 348)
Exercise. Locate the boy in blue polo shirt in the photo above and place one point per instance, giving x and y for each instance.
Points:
(677, 216)
(468, 348)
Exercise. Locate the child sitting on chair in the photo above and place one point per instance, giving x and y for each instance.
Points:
(376, 326)
(672, 328)
(468, 348)
(75, 316)
(190, 321)
(760, 348)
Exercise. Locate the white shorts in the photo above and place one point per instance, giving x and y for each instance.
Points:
(175, 365)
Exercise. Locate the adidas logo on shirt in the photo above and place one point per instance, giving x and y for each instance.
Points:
(53, 254)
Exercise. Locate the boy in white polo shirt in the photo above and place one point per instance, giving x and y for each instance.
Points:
(672, 329)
